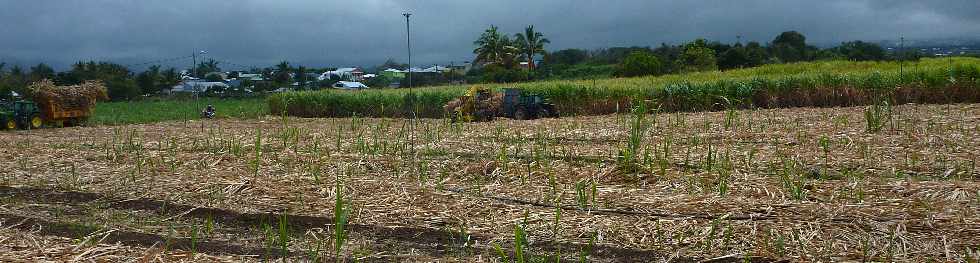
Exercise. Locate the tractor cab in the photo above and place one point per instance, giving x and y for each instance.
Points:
(519, 105)
(21, 114)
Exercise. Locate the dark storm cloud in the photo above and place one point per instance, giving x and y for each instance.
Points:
(338, 33)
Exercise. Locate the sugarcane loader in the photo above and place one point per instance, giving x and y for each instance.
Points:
(480, 104)
(477, 104)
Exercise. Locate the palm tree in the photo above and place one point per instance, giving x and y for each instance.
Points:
(281, 76)
(531, 43)
(494, 48)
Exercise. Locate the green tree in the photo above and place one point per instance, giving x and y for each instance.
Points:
(41, 71)
(121, 88)
(391, 63)
(790, 38)
(756, 55)
(92, 70)
(495, 48)
(530, 43)
(202, 69)
(117, 78)
(148, 80)
(498, 74)
(790, 46)
(697, 57)
(669, 54)
(735, 57)
(300, 76)
(381, 81)
(567, 56)
(281, 76)
(168, 79)
(861, 51)
(16, 81)
(614, 55)
(640, 63)
(213, 77)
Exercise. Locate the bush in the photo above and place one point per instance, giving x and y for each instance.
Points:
(640, 63)
(497, 74)
(122, 89)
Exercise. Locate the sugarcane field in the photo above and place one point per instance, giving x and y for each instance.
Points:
(506, 131)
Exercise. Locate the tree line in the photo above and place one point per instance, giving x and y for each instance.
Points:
(119, 80)
(498, 56)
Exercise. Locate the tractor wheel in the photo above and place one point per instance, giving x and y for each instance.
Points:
(520, 114)
(453, 117)
(36, 122)
(11, 124)
(544, 113)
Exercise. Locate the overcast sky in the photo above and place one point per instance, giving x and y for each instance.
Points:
(366, 32)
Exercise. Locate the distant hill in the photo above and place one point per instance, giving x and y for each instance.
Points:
(946, 42)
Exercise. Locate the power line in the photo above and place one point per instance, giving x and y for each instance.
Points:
(157, 61)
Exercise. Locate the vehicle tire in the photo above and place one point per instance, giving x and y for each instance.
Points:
(11, 124)
(77, 122)
(544, 113)
(520, 114)
(36, 122)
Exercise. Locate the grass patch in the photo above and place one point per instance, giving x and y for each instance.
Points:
(150, 111)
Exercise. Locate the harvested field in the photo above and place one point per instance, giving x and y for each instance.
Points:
(799, 184)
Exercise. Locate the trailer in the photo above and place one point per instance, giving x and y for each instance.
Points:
(58, 115)
(52, 106)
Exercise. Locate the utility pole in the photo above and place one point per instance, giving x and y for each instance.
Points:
(901, 58)
(194, 56)
(408, 33)
(408, 30)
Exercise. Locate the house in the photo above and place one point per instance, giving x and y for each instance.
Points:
(436, 68)
(349, 85)
(197, 86)
(234, 83)
(250, 77)
(349, 74)
(393, 73)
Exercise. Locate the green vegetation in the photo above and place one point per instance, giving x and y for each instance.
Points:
(640, 63)
(819, 84)
(132, 112)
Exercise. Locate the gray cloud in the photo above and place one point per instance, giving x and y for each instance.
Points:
(338, 33)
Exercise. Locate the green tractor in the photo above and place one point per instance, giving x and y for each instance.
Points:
(520, 105)
(20, 114)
